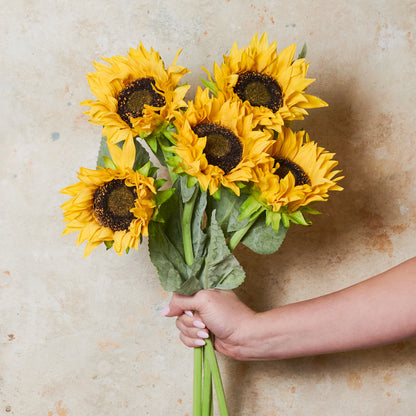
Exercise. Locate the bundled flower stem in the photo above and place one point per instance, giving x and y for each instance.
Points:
(238, 173)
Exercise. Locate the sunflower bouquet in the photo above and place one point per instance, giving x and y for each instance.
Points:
(237, 172)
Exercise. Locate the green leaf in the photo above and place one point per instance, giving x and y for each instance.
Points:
(222, 270)
(228, 211)
(103, 152)
(262, 238)
(189, 287)
(187, 193)
(167, 259)
(142, 156)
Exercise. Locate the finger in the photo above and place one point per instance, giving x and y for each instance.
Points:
(178, 305)
(190, 331)
(191, 342)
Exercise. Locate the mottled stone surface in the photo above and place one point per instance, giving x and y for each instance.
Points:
(85, 337)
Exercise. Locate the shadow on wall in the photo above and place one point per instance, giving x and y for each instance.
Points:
(351, 223)
(360, 219)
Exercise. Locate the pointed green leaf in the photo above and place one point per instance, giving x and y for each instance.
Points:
(222, 270)
(142, 155)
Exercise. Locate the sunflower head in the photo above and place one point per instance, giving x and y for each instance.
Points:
(297, 173)
(271, 84)
(112, 206)
(135, 93)
(216, 142)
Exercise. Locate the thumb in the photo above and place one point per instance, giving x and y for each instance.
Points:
(179, 304)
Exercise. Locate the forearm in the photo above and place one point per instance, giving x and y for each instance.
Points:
(377, 311)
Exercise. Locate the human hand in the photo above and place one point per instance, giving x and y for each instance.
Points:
(219, 311)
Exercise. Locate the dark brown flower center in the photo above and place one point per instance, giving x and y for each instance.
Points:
(259, 90)
(112, 204)
(135, 96)
(223, 147)
(286, 166)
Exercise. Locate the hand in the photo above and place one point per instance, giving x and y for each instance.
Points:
(219, 311)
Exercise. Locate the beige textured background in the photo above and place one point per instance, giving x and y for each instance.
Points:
(85, 337)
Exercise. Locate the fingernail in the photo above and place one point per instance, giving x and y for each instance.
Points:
(165, 310)
(189, 313)
(202, 334)
(199, 342)
(199, 324)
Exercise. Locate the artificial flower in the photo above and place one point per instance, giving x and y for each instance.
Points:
(111, 205)
(298, 173)
(271, 85)
(135, 93)
(216, 142)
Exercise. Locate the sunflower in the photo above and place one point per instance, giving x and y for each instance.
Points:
(216, 142)
(298, 173)
(271, 85)
(110, 205)
(135, 93)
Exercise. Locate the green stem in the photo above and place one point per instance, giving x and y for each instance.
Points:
(197, 381)
(186, 228)
(216, 376)
(207, 388)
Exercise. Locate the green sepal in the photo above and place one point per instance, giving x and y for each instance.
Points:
(160, 182)
(276, 221)
(153, 171)
(108, 163)
(273, 219)
(108, 244)
(162, 196)
(303, 52)
(192, 180)
(285, 219)
(174, 161)
(145, 169)
(210, 85)
(310, 210)
(168, 134)
(249, 207)
(152, 142)
(298, 218)
(217, 194)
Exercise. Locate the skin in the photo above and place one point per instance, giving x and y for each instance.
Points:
(376, 311)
